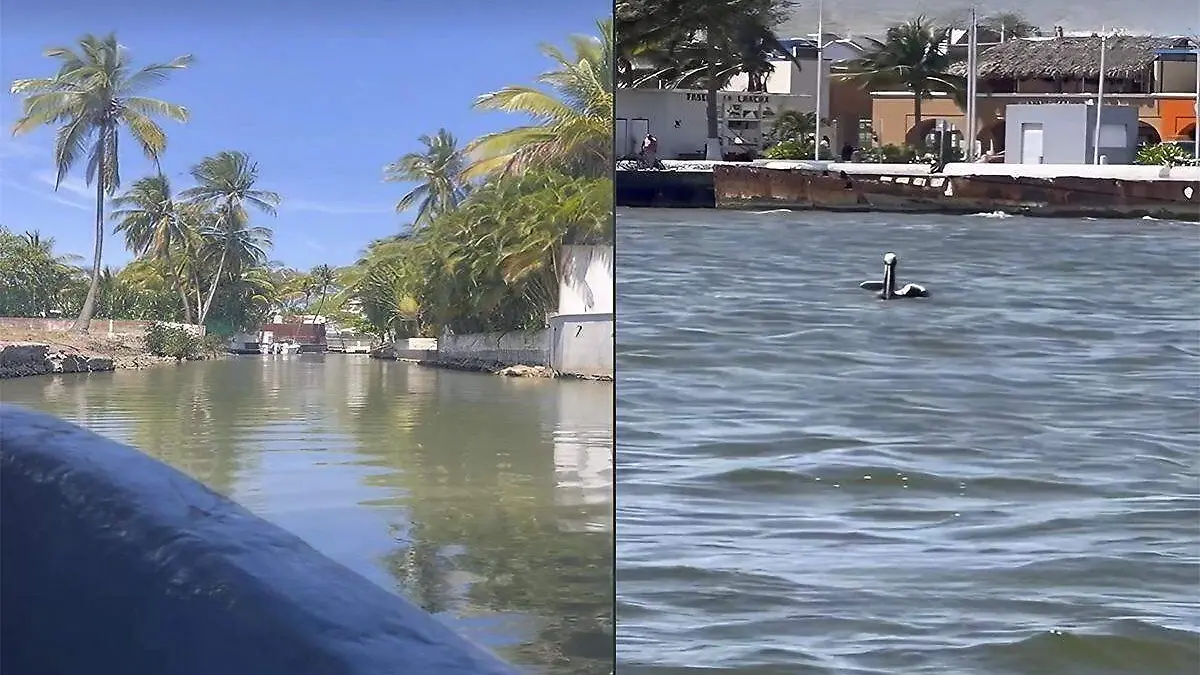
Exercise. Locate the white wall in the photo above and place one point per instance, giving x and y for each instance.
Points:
(511, 349)
(1113, 171)
(586, 280)
(582, 344)
(416, 349)
(855, 168)
(666, 108)
(788, 79)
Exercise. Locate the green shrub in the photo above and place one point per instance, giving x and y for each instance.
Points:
(794, 149)
(213, 345)
(172, 342)
(889, 154)
(1163, 154)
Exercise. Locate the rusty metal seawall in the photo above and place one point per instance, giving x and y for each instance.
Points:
(759, 187)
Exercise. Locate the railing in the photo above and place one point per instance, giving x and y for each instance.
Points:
(114, 562)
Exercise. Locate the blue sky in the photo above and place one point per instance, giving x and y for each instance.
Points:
(321, 94)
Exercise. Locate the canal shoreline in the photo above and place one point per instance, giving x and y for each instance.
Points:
(488, 367)
(496, 368)
(34, 353)
(1108, 192)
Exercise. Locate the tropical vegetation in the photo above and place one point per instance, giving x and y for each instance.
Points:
(480, 254)
(483, 251)
(36, 280)
(1165, 154)
(912, 56)
(93, 97)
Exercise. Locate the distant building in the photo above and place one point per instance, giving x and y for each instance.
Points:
(845, 106)
(678, 118)
(748, 105)
(1065, 133)
(1155, 75)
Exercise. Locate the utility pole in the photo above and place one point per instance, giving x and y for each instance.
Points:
(820, 78)
(972, 87)
(1099, 97)
(1196, 121)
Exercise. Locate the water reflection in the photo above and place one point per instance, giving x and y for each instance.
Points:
(486, 500)
(583, 466)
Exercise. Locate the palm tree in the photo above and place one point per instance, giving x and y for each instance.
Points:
(1010, 25)
(1001, 25)
(153, 227)
(196, 224)
(225, 183)
(324, 277)
(93, 95)
(437, 172)
(913, 55)
(572, 121)
(34, 279)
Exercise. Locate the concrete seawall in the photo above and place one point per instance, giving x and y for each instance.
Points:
(575, 345)
(115, 562)
(671, 188)
(755, 187)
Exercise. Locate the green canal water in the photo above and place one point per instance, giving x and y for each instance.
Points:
(485, 500)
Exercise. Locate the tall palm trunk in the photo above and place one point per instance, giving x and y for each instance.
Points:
(712, 148)
(917, 119)
(199, 291)
(84, 321)
(321, 302)
(212, 291)
(178, 283)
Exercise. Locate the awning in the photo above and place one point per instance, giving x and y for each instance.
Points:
(1186, 55)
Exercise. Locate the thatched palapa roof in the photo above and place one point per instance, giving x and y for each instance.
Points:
(1126, 56)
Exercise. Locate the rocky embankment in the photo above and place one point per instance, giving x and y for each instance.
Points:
(23, 359)
(487, 366)
(496, 368)
(44, 353)
(387, 352)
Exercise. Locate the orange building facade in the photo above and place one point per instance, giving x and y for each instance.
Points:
(1163, 117)
(1156, 75)
(1177, 119)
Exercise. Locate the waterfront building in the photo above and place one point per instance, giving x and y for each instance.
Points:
(1155, 75)
(678, 118)
(748, 105)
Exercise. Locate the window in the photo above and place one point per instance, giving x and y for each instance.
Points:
(1113, 135)
(865, 134)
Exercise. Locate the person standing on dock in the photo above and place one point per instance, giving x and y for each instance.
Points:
(649, 153)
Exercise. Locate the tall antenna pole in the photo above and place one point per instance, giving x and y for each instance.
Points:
(1100, 96)
(820, 78)
(1196, 121)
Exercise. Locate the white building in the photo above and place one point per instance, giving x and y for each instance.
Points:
(798, 75)
(678, 118)
(580, 338)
